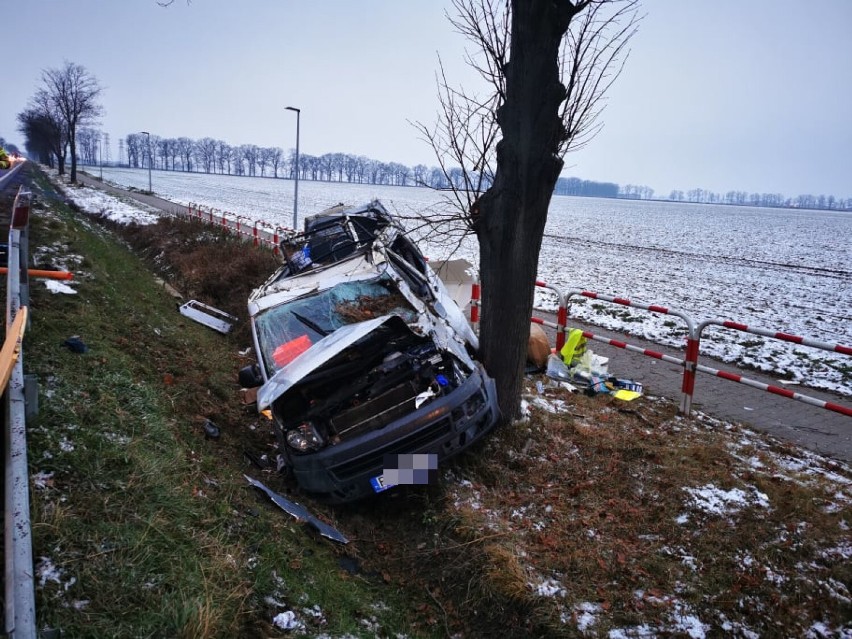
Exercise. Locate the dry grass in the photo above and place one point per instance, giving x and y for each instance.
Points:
(593, 512)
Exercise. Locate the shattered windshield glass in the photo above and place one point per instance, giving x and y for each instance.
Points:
(286, 331)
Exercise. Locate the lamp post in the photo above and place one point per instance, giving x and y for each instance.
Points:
(150, 190)
(296, 192)
(101, 156)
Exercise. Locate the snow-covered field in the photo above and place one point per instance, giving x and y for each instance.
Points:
(778, 269)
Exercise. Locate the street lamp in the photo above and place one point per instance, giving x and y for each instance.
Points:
(296, 193)
(150, 190)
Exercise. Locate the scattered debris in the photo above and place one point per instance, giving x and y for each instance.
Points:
(75, 344)
(208, 316)
(59, 287)
(300, 512)
(211, 430)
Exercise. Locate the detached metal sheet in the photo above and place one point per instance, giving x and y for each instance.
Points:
(208, 316)
(300, 512)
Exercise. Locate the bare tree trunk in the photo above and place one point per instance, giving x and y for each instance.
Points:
(73, 141)
(510, 216)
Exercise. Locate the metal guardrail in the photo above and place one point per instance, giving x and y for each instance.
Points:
(20, 621)
(6, 178)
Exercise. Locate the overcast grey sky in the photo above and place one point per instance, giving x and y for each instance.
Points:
(725, 95)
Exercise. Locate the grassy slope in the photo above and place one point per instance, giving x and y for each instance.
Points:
(150, 524)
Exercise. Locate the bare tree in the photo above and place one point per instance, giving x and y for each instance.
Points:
(547, 65)
(185, 151)
(74, 92)
(274, 155)
(223, 152)
(206, 148)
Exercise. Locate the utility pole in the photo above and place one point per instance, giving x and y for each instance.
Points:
(296, 191)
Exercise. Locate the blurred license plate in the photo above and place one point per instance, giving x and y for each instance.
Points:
(379, 484)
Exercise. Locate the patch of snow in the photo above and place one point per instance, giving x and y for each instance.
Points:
(42, 480)
(684, 621)
(736, 629)
(587, 615)
(316, 613)
(371, 624)
(95, 202)
(47, 571)
(548, 588)
(55, 286)
(638, 632)
(715, 501)
(287, 620)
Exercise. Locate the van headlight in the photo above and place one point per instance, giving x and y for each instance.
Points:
(305, 438)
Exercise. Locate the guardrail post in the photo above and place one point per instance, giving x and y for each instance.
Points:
(475, 301)
(562, 323)
(690, 367)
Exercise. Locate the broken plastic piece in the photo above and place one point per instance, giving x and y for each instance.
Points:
(557, 369)
(626, 395)
(211, 430)
(423, 397)
(209, 316)
(300, 512)
(289, 351)
(75, 344)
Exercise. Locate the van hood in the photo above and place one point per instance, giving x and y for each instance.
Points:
(316, 356)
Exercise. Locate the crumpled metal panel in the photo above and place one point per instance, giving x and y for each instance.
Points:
(300, 512)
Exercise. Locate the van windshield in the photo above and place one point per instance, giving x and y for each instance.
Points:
(286, 331)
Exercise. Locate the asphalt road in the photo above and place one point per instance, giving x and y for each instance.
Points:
(816, 428)
(824, 431)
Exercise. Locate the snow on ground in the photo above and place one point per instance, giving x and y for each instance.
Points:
(97, 202)
(778, 269)
(59, 287)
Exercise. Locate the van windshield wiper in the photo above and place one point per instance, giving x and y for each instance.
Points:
(311, 324)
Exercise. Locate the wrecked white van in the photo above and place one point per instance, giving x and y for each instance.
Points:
(363, 358)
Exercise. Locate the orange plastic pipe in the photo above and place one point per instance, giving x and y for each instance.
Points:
(51, 275)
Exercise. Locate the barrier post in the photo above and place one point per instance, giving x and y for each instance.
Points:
(475, 301)
(690, 367)
(275, 241)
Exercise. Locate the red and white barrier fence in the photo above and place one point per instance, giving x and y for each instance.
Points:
(690, 362)
(785, 337)
(561, 314)
(258, 232)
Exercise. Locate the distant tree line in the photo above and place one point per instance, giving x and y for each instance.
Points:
(209, 155)
(777, 200)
